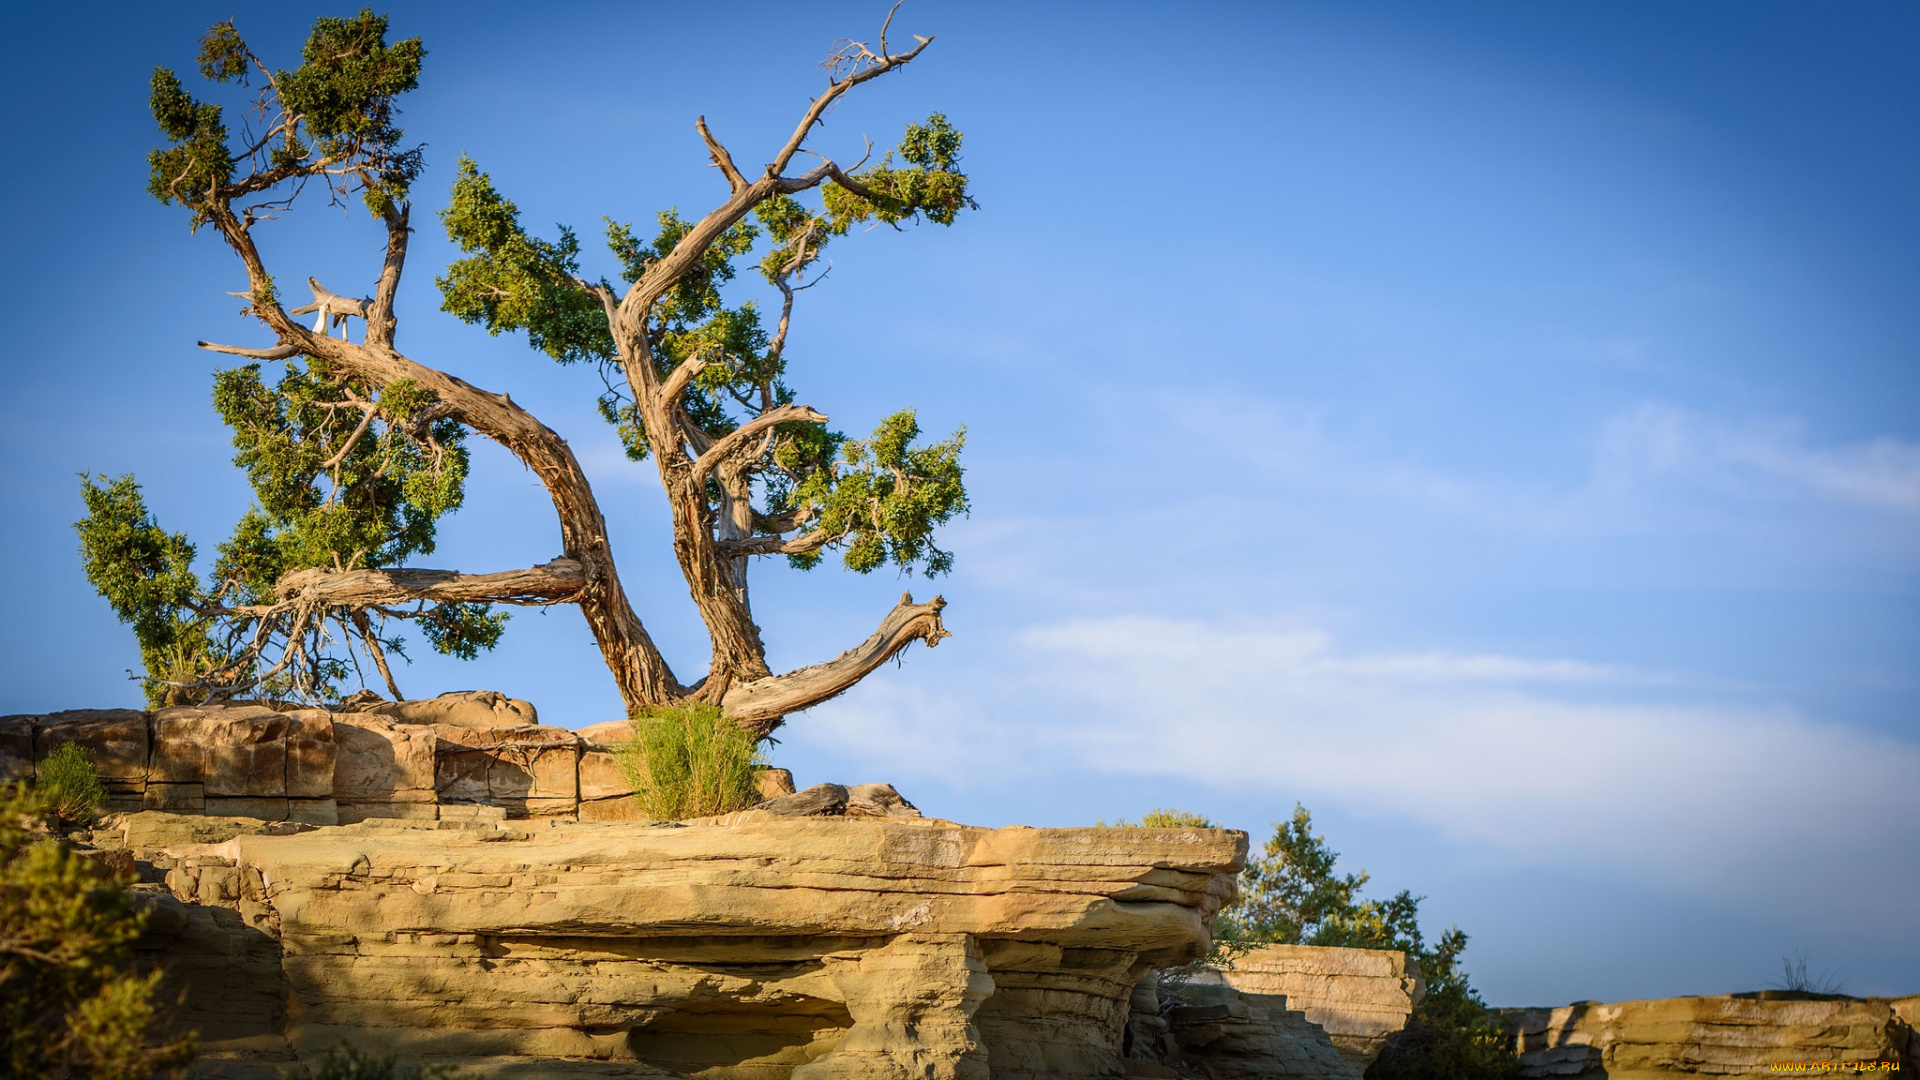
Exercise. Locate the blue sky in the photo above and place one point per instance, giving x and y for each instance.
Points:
(1495, 426)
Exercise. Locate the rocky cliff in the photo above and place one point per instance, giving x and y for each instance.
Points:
(1360, 997)
(1731, 1035)
(770, 948)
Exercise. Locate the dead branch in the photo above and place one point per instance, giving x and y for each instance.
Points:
(759, 705)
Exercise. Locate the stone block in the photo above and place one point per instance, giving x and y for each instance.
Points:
(506, 766)
(16, 748)
(311, 754)
(376, 758)
(773, 783)
(625, 808)
(477, 709)
(600, 776)
(236, 751)
(605, 735)
(264, 809)
(313, 811)
(347, 813)
(178, 798)
(117, 737)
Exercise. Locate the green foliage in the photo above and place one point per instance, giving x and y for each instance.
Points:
(690, 761)
(881, 500)
(69, 1006)
(930, 186)
(1450, 1035)
(331, 116)
(1290, 894)
(512, 281)
(70, 785)
(346, 1063)
(877, 500)
(146, 575)
(1162, 819)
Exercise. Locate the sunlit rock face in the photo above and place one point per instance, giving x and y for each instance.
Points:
(1729, 1035)
(1360, 997)
(767, 948)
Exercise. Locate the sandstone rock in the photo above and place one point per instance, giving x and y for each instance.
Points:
(773, 783)
(311, 754)
(478, 709)
(117, 737)
(235, 752)
(528, 770)
(1360, 997)
(1730, 1035)
(817, 801)
(16, 748)
(878, 800)
(605, 735)
(810, 948)
(377, 760)
(1226, 1035)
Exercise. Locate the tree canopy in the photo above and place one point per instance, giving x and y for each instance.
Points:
(356, 452)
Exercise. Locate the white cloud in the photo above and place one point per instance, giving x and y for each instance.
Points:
(1552, 761)
(1758, 459)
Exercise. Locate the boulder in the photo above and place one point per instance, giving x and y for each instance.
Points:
(379, 761)
(478, 709)
(1361, 997)
(117, 737)
(234, 752)
(16, 748)
(528, 770)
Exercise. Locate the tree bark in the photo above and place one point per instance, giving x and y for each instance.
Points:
(759, 705)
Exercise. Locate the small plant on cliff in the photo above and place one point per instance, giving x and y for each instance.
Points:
(689, 761)
(345, 1063)
(1290, 895)
(70, 1008)
(70, 785)
(1161, 819)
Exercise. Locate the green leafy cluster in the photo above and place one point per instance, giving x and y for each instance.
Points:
(1290, 894)
(331, 116)
(70, 784)
(70, 1006)
(883, 499)
(512, 281)
(876, 500)
(330, 491)
(689, 761)
(344, 478)
(146, 575)
(930, 185)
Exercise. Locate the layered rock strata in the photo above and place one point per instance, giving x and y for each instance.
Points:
(1360, 997)
(777, 948)
(1210, 1031)
(1733, 1035)
(403, 760)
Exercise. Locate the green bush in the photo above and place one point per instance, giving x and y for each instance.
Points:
(70, 785)
(69, 1008)
(1161, 819)
(689, 761)
(346, 1063)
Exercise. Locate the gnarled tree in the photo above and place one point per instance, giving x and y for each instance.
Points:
(356, 450)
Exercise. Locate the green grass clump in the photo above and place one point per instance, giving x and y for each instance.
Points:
(70, 785)
(687, 761)
(1161, 819)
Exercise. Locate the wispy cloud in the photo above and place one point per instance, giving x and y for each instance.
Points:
(1764, 459)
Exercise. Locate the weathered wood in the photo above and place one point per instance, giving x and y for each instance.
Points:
(820, 799)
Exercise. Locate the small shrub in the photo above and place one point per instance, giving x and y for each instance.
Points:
(70, 784)
(1161, 819)
(69, 1004)
(690, 761)
(346, 1063)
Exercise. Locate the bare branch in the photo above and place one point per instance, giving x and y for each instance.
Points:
(774, 545)
(759, 705)
(555, 582)
(278, 352)
(882, 65)
(743, 436)
(680, 377)
(721, 159)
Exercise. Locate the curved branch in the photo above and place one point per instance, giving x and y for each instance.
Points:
(741, 437)
(552, 582)
(278, 352)
(759, 705)
(721, 159)
(774, 545)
